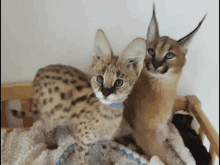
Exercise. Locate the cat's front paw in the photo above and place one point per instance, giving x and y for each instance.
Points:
(155, 160)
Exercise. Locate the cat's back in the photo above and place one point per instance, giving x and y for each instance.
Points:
(65, 74)
(60, 89)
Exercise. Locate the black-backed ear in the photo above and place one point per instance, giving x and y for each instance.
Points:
(153, 30)
(102, 48)
(134, 54)
(185, 41)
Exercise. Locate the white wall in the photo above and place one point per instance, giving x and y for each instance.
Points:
(36, 33)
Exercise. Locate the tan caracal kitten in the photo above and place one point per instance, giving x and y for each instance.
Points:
(149, 106)
(65, 96)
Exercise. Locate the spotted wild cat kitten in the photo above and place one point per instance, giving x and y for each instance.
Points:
(149, 106)
(62, 94)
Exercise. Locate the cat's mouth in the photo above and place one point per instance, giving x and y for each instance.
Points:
(165, 70)
(159, 70)
(108, 100)
(105, 101)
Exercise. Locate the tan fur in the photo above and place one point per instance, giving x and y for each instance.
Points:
(149, 106)
(148, 111)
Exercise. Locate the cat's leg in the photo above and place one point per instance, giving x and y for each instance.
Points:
(105, 151)
(50, 134)
(50, 139)
(172, 156)
(177, 152)
(81, 150)
(124, 129)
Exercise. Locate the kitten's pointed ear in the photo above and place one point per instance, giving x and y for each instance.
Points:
(185, 41)
(134, 54)
(102, 48)
(153, 30)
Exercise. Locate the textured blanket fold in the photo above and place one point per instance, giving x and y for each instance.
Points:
(25, 147)
(28, 147)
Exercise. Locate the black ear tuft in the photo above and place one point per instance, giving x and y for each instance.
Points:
(185, 41)
(153, 30)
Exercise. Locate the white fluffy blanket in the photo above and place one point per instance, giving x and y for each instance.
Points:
(28, 147)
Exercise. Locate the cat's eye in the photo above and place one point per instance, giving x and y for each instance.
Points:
(118, 82)
(100, 79)
(151, 52)
(170, 55)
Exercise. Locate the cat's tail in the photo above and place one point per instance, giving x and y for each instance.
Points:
(21, 114)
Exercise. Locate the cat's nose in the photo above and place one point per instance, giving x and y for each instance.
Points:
(157, 64)
(106, 91)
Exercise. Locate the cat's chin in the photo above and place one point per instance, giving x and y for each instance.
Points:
(167, 77)
(162, 70)
(107, 102)
(156, 73)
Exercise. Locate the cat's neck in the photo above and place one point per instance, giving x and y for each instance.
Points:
(111, 111)
(155, 100)
(160, 84)
(156, 92)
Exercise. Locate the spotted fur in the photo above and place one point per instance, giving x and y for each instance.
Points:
(63, 95)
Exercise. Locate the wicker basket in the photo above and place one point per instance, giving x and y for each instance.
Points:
(24, 93)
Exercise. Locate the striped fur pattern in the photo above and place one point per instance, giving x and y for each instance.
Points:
(149, 107)
(66, 96)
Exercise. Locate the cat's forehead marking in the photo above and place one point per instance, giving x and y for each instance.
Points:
(164, 43)
(103, 69)
(118, 73)
(112, 70)
(109, 79)
(111, 66)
